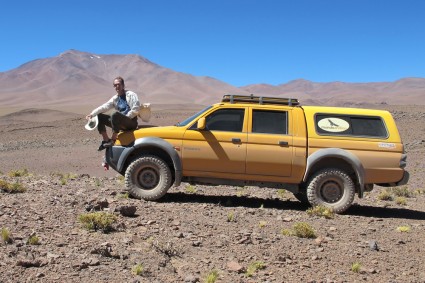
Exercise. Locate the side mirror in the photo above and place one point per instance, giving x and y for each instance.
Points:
(201, 124)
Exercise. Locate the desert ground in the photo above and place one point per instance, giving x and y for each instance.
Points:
(193, 232)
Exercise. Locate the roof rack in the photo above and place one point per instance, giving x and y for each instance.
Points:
(259, 99)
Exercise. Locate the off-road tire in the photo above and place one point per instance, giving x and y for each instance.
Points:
(148, 178)
(331, 188)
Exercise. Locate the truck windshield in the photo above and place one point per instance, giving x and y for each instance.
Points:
(188, 120)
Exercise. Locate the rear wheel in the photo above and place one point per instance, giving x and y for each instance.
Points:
(148, 178)
(331, 188)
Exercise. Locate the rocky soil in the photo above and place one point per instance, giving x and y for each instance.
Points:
(192, 231)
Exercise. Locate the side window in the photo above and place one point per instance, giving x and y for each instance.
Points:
(372, 126)
(343, 125)
(228, 120)
(270, 122)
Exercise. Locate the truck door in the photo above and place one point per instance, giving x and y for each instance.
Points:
(269, 146)
(220, 147)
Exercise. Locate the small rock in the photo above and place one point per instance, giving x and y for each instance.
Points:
(127, 210)
(30, 263)
(235, 267)
(372, 270)
(40, 275)
(373, 246)
(191, 279)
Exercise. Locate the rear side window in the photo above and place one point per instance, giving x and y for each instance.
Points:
(345, 125)
(270, 122)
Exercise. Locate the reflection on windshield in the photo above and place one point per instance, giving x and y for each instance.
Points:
(188, 120)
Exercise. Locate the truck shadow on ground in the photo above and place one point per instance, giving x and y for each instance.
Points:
(234, 201)
(385, 212)
(267, 203)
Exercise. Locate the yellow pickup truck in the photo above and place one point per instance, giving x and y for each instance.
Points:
(323, 155)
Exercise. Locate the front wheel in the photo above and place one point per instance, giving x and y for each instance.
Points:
(332, 188)
(148, 178)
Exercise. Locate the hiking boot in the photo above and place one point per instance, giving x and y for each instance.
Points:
(104, 145)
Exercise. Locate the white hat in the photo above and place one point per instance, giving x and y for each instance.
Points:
(145, 112)
(92, 123)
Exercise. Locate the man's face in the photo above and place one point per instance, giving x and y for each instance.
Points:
(119, 88)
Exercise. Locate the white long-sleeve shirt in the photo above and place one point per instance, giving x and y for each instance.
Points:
(132, 101)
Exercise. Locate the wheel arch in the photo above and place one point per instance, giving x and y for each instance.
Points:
(152, 146)
(336, 158)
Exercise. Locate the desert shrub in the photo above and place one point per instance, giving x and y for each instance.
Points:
(385, 195)
(99, 220)
(403, 229)
(262, 224)
(18, 173)
(5, 235)
(33, 240)
(321, 211)
(401, 201)
(190, 189)
(401, 192)
(231, 217)
(355, 267)
(167, 248)
(287, 232)
(253, 267)
(12, 188)
(137, 269)
(304, 230)
(281, 193)
(64, 177)
(123, 196)
(212, 276)
(121, 179)
(300, 230)
(240, 192)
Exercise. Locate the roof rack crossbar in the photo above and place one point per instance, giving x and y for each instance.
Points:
(259, 99)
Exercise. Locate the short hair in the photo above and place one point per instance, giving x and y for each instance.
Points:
(120, 79)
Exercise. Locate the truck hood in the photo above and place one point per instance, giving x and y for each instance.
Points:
(167, 132)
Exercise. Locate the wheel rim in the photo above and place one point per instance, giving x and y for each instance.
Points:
(148, 178)
(332, 191)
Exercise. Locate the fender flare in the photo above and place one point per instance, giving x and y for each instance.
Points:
(159, 143)
(347, 156)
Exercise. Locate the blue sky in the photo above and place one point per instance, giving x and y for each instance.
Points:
(240, 42)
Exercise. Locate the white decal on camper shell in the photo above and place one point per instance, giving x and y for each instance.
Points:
(386, 145)
(332, 124)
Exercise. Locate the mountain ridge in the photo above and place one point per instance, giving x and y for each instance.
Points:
(77, 77)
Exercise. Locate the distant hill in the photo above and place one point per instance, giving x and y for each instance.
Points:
(407, 91)
(82, 78)
(76, 77)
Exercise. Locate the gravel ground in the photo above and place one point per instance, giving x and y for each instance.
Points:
(192, 231)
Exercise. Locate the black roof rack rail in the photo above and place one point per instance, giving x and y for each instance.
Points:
(259, 99)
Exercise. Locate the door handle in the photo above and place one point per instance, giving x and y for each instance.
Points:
(236, 140)
(283, 143)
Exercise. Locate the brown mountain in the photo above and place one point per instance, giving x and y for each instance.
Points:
(406, 91)
(81, 78)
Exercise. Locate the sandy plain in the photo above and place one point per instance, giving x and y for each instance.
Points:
(187, 235)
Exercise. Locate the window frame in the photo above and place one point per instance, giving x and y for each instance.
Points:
(348, 118)
(285, 112)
